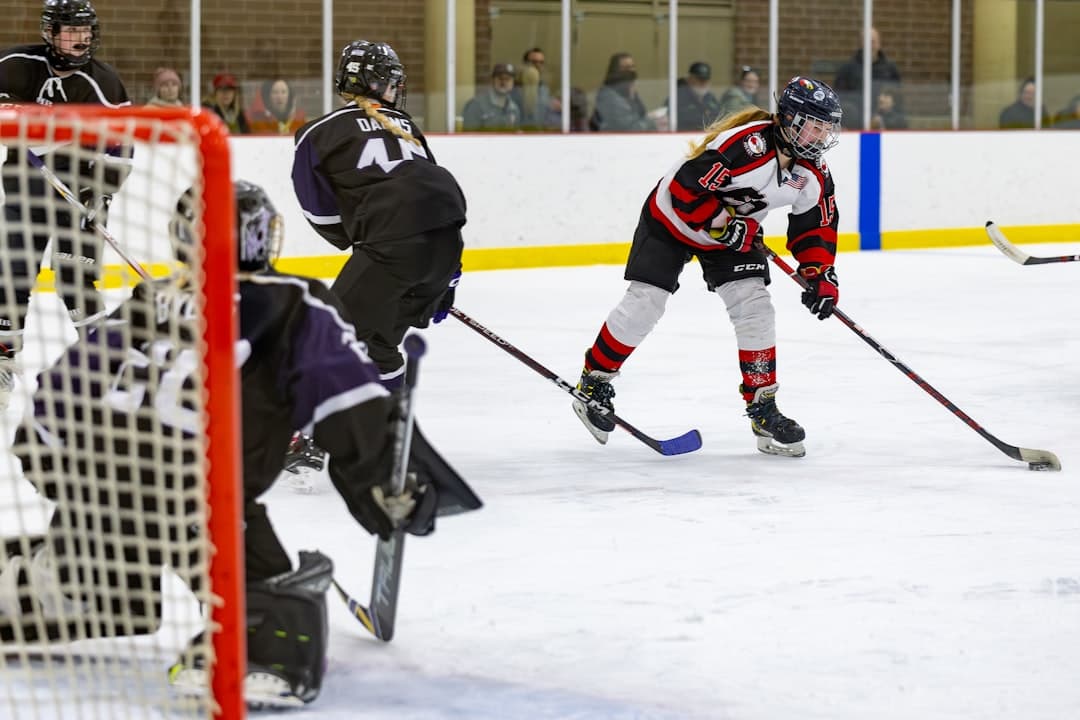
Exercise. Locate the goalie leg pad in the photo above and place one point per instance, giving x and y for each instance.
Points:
(287, 625)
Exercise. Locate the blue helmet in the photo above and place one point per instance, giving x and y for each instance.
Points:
(371, 70)
(809, 113)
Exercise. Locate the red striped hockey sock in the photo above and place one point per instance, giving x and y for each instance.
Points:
(607, 353)
(758, 370)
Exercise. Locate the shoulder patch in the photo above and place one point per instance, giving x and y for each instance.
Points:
(755, 144)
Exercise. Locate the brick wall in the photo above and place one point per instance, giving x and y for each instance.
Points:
(915, 34)
(256, 40)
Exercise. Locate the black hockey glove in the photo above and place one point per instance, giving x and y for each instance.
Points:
(447, 301)
(822, 291)
(98, 206)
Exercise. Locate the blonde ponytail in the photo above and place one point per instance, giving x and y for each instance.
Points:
(747, 115)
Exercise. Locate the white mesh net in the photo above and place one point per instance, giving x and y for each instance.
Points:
(105, 573)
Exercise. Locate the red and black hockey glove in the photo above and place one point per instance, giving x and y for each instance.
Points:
(822, 291)
(738, 234)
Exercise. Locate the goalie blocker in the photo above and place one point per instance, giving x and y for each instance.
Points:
(297, 354)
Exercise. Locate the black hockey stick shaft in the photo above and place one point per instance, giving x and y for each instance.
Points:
(1016, 254)
(1042, 459)
(380, 614)
(65, 192)
(687, 442)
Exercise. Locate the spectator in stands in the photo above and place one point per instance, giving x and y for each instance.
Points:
(887, 112)
(493, 108)
(579, 110)
(167, 87)
(226, 103)
(849, 80)
(697, 106)
(1021, 114)
(274, 110)
(1069, 117)
(540, 110)
(619, 108)
(742, 94)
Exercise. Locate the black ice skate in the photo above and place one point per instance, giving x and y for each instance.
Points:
(775, 433)
(596, 385)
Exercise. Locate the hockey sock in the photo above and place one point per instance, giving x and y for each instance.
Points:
(758, 370)
(607, 353)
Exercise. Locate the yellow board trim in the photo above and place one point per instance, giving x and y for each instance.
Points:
(475, 259)
(966, 237)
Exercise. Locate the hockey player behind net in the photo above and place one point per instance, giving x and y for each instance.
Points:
(302, 367)
(711, 205)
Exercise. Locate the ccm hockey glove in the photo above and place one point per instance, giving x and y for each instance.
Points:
(447, 301)
(822, 289)
(738, 234)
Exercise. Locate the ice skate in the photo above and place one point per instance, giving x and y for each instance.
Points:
(596, 385)
(303, 460)
(775, 433)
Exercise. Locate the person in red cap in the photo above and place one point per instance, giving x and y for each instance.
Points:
(226, 103)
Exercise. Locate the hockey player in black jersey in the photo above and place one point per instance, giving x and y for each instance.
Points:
(711, 205)
(302, 367)
(367, 181)
(62, 69)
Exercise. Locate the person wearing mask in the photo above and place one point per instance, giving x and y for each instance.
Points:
(619, 107)
(697, 106)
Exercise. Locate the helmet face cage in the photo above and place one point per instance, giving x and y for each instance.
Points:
(810, 116)
(371, 70)
(57, 14)
(259, 228)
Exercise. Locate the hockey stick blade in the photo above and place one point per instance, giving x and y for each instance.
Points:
(686, 443)
(361, 613)
(1036, 459)
(1016, 254)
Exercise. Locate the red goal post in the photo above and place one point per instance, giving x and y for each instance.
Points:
(174, 148)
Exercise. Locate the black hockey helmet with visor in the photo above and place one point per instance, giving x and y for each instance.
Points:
(371, 70)
(58, 14)
(809, 116)
(259, 228)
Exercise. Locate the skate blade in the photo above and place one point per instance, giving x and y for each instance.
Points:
(770, 447)
(582, 412)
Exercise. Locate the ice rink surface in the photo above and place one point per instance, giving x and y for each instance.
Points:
(905, 568)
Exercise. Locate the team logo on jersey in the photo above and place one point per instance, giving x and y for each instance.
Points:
(755, 145)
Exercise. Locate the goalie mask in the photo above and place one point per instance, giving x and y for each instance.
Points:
(259, 228)
(809, 114)
(67, 49)
(371, 70)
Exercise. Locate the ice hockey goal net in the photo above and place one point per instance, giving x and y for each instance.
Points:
(120, 494)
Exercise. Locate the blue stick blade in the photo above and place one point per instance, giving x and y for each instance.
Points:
(686, 443)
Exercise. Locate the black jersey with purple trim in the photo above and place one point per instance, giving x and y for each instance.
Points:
(357, 182)
(129, 391)
(739, 169)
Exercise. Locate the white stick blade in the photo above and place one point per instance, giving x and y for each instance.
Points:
(998, 238)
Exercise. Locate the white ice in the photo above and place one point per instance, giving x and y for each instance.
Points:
(905, 568)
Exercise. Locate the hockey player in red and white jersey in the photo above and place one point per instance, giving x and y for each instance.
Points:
(711, 205)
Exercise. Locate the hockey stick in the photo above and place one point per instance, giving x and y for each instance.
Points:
(686, 443)
(65, 192)
(378, 617)
(1016, 254)
(1036, 459)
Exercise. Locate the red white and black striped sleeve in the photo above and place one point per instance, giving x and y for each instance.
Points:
(812, 230)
